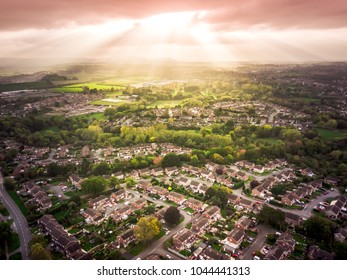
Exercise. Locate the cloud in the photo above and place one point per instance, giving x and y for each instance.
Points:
(223, 14)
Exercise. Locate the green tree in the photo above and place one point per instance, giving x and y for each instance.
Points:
(114, 182)
(38, 252)
(101, 169)
(319, 229)
(172, 215)
(171, 159)
(146, 228)
(94, 185)
(9, 184)
(5, 232)
(272, 217)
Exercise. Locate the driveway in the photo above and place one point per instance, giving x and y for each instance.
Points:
(20, 222)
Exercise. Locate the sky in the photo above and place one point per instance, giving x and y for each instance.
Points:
(186, 30)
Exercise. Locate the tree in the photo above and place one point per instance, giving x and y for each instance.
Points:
(94, 185)
(5, 232)
(38, 252)
(130, 182)
(114, 255)
(9, 184)
(272, 217)
(319, 228)
(113, 182)
(172, 215)
(101, 168)
(38, 238)
(171, 159)
(146, 228)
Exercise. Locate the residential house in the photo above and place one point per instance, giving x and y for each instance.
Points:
(126, 238)
(212, 213)
(332, 180)
(245, 203)
(292, 219)
(200, 224)
(290, 199)
(98, 201)
(243, 223)
(160, 213)
(203, 189)
(212, 254)
(157, 171)
(76, 181)
(170, 171)
(176, 197)
(122, 213)
(276, 253)
(316, 253)
(92, 217)
(340, 235)
(183, 239)
(146, 186)
(195, 186)
(139, 203)
(286, 241)
(259, 191)
(183, 181)
(258, 169)
(235, 238)
(159, 191)
(144, 172)
(194, 204)
(233, 199)
(119, 195)
(119, 175)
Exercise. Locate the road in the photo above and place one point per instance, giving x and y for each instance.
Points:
(258, 243)
(157, 246)
(20, 222)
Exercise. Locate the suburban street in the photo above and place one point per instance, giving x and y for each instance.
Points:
(258, 242)
(20, 222)
(156, 246)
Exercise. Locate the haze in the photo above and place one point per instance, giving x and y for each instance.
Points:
(209, 30)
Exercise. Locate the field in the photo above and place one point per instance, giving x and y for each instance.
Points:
(79, 87)
(22, 86)
(327, 134)
(19, 203)
(165, 104)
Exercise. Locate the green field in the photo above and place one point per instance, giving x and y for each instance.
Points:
(22, 86)
(327, 134)
(79, 87)
(165, 104)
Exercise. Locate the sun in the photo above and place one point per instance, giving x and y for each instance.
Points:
(168, 21)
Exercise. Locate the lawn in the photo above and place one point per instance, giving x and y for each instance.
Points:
(327, 134)
(189, 210)
(16, 256)
(13, 244)
(19, 202)
(269, 140)
(79, 87)
(165, 103)
(136, 249)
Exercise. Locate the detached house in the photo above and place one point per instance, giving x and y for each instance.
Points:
(169, 171)
(200, 224)
(235, 238)
(243, 223)
(126, 238)
(98, 201)
(212, 213)
(183, 239)
(76, 181)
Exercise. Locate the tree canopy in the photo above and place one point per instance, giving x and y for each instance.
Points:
(172, 215)
(147, 228)
(94, 185)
